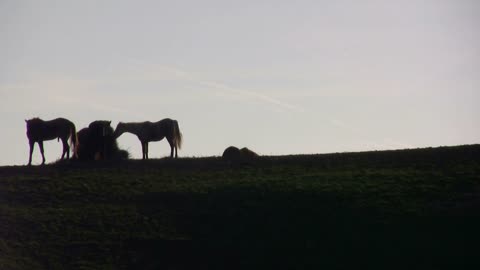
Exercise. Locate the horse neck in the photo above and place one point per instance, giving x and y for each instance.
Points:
(134, 128)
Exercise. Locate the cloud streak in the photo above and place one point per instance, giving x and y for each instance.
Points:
(47, 92)
(161, 72)
(61, 90)
(251, 94)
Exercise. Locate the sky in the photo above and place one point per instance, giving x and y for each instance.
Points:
(279, 77)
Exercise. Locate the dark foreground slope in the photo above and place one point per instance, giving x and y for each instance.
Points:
(390, 209)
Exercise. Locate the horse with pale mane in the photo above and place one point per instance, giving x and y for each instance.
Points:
(39, 130)
(153, 131)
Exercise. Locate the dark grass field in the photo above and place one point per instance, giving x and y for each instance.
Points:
(376, 210)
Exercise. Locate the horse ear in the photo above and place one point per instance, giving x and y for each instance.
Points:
(109, 122)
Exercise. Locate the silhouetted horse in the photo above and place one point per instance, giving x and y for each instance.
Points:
(97, 142)
(233, 154)
(151, 132)
(39, 130)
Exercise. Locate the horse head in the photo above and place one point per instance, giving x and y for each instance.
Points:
(119, 130)
(101, 127)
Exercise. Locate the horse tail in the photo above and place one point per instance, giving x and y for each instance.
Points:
(177, 135)
(74, 140)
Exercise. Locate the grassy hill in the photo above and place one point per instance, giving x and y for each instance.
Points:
(387, 209)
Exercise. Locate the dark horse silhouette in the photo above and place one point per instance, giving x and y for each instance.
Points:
(39, 130)
(97, 142)
(151, 132)
(233, 154)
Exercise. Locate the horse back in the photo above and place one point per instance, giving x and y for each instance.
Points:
(40, 130)
(161, 129)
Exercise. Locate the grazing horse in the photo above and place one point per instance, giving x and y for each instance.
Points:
(151, 132)
(39, 130)
(97, 142)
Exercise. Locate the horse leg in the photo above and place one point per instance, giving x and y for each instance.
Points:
(176, 152)
(63, 151)
(143, 149)
(32, 146)
(146, 150)
(66, 149)
(40, 143)
(170, 141)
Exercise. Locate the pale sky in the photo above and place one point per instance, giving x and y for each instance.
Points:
(279, 77)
